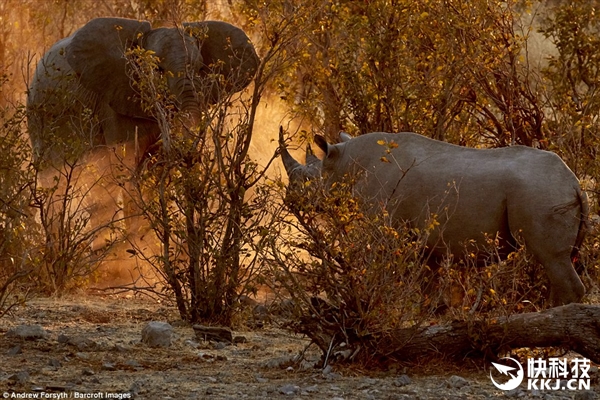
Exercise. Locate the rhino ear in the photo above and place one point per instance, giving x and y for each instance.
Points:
(96, 54)
(344, 137)
(330, 151)
(322, 143)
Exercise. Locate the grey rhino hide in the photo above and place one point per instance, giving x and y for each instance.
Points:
(473, 192)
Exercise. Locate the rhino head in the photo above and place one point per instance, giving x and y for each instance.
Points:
(299, 173)
(313, 168)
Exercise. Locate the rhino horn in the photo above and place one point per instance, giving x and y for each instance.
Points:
(292, 167)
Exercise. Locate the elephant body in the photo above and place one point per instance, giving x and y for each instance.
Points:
(83, 93)
(509, 192)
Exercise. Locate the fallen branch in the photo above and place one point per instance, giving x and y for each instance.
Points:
(574, 327)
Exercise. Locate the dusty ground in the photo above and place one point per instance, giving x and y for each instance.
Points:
(93, 350)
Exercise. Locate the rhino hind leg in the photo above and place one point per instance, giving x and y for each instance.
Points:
(552, 248)
(565, 285)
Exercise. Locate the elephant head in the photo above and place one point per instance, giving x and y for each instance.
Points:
(89, 70)
(188, 56)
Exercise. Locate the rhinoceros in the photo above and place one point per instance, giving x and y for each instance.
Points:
(501, 193)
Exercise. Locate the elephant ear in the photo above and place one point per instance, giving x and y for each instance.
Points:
(96, 54)
(225, 49)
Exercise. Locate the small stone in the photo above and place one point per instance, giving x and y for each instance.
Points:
(53, 362)
(240, 339)
(279, 362)
(13, 351)
(87, 372)
(108, 366)
(213, 333)
(402, 380)
(157, 334)
(28, 332)
(119, 348)
(133, 363)
(83, 344)
(219, 345)
(585, 395)
(63, 338)
(289, 389)
(456, 382)
(20, 377)
(82, 356)
(260, 379)
(311, 389)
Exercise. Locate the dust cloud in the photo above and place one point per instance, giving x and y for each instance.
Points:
(122, 267)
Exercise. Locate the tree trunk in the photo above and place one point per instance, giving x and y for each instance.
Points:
(573, 327)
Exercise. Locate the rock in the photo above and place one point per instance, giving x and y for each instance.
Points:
(120, 348)
(83, 344)
(311, 389)
(63, 339)
(585, 395)
(192, 343)
(137, 387)
(20, 377)
(53, 362)
(260, 379)
(240, 339)
(220, 345)
(108, 366)
(13, 351)
(260, 313)
(82, 356)
(133, 363)
(402, 380)
(280, 362)
(157, 334)
(366, 383)
(329, 374)
(87, 372)
(246, 301)
(289, 389)
(456, 382)
(28, 332)
(213, 333)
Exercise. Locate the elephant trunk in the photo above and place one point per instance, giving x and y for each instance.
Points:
(189, 101)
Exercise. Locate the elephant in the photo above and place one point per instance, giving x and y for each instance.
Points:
(513, 192)
(83, 90)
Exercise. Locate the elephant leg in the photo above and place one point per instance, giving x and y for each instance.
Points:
(103, 200)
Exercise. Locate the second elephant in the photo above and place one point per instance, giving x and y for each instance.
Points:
(82, 90)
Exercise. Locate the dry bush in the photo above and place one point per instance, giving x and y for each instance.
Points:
(355, 276)
(18, 229)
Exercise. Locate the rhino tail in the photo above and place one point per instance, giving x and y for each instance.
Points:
(583, 224)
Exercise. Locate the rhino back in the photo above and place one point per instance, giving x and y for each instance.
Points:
(470, 191)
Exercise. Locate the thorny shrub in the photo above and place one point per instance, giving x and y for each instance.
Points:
(355, 275)
(18, 234)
